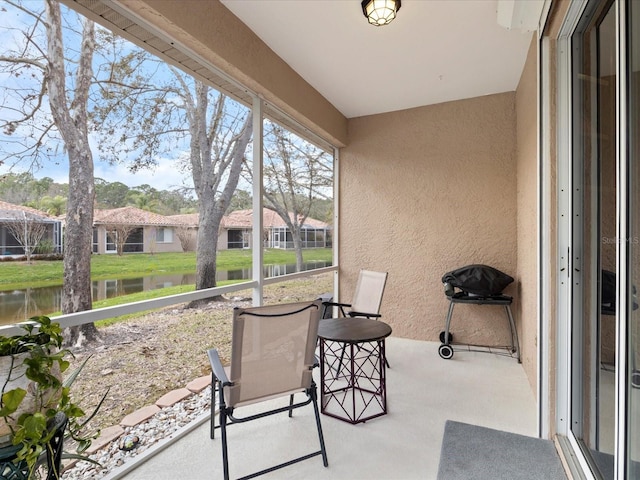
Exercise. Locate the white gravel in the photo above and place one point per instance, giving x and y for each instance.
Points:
(158, 427)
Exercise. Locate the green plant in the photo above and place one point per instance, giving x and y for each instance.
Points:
(38, 355)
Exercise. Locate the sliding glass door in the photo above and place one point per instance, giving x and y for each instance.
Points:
(594, 249)
(603, 261)
(630, 153)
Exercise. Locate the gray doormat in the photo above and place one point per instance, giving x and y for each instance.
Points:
(470, 452)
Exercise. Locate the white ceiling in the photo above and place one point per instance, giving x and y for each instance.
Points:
(434, 51)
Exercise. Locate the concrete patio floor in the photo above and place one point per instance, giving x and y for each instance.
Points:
(423, 392)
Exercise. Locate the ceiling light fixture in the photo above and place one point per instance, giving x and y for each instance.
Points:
(380, 12)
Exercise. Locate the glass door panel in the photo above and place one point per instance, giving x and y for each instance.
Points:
(633, 312)
(594, 233)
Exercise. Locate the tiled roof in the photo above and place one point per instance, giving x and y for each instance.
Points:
(130, 216)
(186, 219)
(9, 211)
(242, 219)
(237, 219)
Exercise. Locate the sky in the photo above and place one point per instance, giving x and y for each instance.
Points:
(165, 176)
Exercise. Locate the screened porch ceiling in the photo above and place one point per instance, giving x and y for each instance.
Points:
(434, 51)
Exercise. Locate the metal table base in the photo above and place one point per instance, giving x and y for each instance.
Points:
(354, 387)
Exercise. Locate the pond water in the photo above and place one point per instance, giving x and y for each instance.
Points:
(18, 305)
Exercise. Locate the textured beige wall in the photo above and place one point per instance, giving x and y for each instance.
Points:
(527, 308)
(424, 191)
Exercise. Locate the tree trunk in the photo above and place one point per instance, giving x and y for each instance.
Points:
(208, 228)
(297, 245)
(76, 289)
(71, 121)
(212, 203)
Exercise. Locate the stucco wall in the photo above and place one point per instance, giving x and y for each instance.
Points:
(424, 191)
(153, 246)
(526, 155)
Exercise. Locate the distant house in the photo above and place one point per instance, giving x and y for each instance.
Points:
(151, 232)
(16, 215)
(235, 231)
(145, 231)
(186, 227)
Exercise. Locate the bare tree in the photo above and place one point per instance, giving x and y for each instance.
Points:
(47, 114)
(187, 237)
(28, 231)
(145, 109)
(153, 243)
(70, 117)
(295, 173)
(215, 177)
(119, 233)
(180, 113)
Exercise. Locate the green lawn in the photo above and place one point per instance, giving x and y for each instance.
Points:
(16, 275)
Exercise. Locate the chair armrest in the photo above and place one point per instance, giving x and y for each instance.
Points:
(363, 314)
(335, 304)
(218, 369)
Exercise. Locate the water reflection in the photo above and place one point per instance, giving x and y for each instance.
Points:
(18, 305)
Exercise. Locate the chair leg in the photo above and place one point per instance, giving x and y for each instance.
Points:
(216, 387)
(314, 397)
(290, 405)
(225, 456)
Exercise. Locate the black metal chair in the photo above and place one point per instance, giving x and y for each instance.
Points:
(272, 355)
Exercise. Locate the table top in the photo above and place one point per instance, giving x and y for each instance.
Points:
(353, 330)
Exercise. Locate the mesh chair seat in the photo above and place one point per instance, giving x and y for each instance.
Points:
(272, 355)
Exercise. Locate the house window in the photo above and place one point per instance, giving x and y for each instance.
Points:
(95, 240)
(164, 235)
(237, 239)
(135, 242)
(111, 240)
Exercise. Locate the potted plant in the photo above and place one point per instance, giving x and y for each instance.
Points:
(34, 395)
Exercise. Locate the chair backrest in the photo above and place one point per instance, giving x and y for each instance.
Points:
(369, 290)
(272, 351)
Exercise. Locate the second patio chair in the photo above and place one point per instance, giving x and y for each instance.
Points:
(366, 299)
(272, 355)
